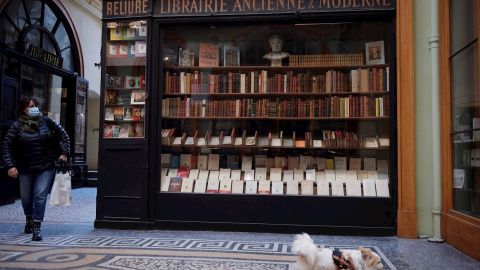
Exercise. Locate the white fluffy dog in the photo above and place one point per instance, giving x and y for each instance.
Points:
(314, 258)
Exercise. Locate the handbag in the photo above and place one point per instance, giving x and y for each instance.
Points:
(61, 194)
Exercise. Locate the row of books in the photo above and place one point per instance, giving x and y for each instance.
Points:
(216, 162)
(366, 187)
(126, 113)
(123, 130)
(331, 138)
(127, 82)
(322, 60)
(334, 106)
(125, 97)
(275, 174)
(129, 33)
(127, 49)
(332, 81)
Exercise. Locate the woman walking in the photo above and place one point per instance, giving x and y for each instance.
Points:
(29, 154)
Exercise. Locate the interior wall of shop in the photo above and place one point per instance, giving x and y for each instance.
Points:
(423, 118)
(86, 16)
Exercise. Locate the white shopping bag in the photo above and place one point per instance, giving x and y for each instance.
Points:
(61, 194)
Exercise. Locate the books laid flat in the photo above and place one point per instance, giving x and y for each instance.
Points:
(353, 188)
(249, 175)
(298, 175)
(275, 174)
(200, 186)
(362, 174)
(292, 188)
(164, 183)
(323, 187)
(382, 188)
(251, 187)
(369, 188)
(237, 186)
(236, 175)
(187, 185)
(204, 174)
(369, 164)
(288, 175)
(225, 186)
(214, 175)
(202, 162)
(306, 187)
(263, 187)
(175, 184)
(213, 185)
(260, 174)
(277, 187)
(337, 189)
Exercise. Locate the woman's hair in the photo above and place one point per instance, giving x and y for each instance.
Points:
(24, 104)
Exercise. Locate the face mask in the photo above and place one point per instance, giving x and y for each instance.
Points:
(32, 112)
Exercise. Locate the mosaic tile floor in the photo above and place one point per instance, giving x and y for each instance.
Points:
(71, 242)
(114, 252)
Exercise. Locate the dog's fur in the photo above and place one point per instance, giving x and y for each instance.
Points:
(314, 258)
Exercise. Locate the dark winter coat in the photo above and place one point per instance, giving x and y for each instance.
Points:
(34, 152)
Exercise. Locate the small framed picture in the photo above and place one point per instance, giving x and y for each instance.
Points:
(375, 52)
(138, 97)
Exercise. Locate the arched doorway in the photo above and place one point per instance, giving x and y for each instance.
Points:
(41, 57)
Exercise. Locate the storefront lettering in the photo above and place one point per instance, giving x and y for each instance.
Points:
(225, 6)
(126, 7)
(42, 55)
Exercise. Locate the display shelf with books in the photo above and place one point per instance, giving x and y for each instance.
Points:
(125, 91)
(294, 121)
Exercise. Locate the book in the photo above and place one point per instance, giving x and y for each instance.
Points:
(224, 173)
(183, 172)
(186, 58)
(194, 173)
(109, 114)
(292, 188)
(251, 187)
(140, 48)
(260, 174)
(200, 186)
(323, 188)
(382, 188)
(275, 174)
(214, 175)
(237, 186)
(355, 164)
(202, 162)
(208, 55)
(118, 113)
(186, 160)
(236, 175)
(124, 131)
(369, 164)
(203, 174)
(369, 189)
(213, 185)
(337, 189)
(164, 183)
(247, 163)
(170, 54)
(213, 162)
(353, 188)
(277, 187)
(340, 163)
(127, 113)
(330, 175)
(175, 184)
(174, 161)
(306, 187)
(138, 97)
(298, 175)
(231, 55)
(287, 175)
(263, 187)
(187, 185)
(341, 176)
(249, 175)
(225, 186)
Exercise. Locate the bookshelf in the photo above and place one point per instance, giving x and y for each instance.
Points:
(125, 84)
(319, 115)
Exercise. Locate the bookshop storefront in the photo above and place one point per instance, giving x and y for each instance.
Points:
(257, 115)
(40, 58)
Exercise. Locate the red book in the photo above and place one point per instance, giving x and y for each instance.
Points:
(183, 172)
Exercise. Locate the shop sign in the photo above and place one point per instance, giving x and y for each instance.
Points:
(43, 55)
(223, 7)
(126, 8)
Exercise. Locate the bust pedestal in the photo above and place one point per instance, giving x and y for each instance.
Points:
(276, 62)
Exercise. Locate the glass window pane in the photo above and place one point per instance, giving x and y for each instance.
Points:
(463, 24)
(49, 19)
(465, 93)
(125, 88)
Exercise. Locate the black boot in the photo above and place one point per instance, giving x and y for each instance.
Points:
(36, 232)
(29, 225)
